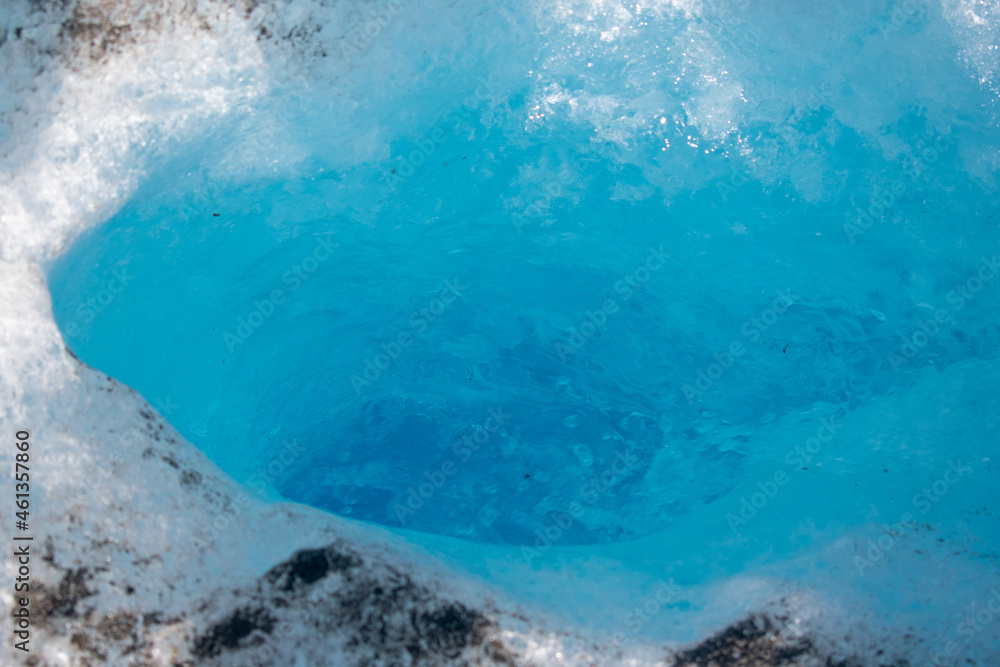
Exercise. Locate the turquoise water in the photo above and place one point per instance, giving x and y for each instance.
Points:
(565, 301)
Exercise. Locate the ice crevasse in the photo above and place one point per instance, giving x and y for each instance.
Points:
(564, 332)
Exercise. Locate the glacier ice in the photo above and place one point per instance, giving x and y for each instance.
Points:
(657, 320)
